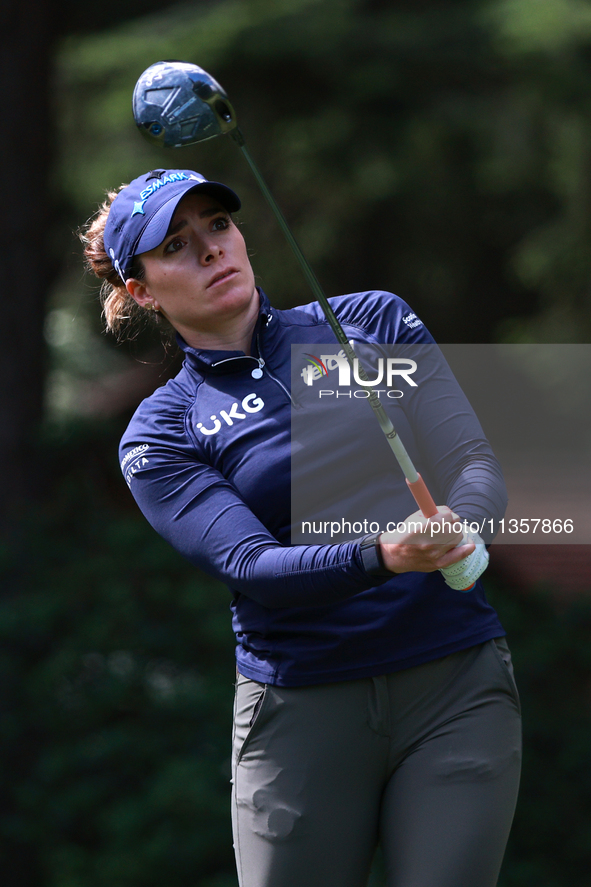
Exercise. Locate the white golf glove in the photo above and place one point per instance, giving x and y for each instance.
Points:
(463, 575)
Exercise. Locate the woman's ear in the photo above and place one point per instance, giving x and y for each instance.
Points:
(138, 292)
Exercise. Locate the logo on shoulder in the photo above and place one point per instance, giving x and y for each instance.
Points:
(252, 403)
(134, 461)
(411, 320)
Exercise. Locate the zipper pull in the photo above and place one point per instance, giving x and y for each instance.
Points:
(258, 371)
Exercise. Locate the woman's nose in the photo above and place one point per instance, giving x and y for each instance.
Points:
(210, 250)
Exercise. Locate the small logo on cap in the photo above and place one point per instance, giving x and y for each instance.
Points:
(157, 183)
(116, 264)
(138, 206)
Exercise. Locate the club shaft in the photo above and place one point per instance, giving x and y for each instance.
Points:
(415, 482)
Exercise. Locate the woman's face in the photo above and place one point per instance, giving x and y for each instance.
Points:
(200, 276)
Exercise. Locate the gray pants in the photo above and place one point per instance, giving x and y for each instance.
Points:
(425, 761)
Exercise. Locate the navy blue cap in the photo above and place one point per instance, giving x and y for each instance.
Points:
(140, 215)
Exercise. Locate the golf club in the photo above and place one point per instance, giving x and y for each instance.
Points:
(177, 103)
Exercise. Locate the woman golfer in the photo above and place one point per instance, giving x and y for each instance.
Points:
(374, 702)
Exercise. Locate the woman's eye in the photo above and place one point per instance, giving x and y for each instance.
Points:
(221, 223)
(174, 245)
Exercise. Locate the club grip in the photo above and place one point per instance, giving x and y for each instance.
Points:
(422, 496)
(425, 502)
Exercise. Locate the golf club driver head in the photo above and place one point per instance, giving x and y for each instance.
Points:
(178, 103)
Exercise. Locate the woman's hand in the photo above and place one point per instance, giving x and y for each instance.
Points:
(427, 544)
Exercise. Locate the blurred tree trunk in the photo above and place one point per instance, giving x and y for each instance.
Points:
(26, 41)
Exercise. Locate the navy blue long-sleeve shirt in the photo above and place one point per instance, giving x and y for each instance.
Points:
(208, 459)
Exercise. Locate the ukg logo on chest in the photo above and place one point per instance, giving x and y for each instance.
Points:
(252, 403)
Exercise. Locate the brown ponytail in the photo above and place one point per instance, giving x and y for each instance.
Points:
(121, 313)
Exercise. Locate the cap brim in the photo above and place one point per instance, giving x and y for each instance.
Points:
(157, 226)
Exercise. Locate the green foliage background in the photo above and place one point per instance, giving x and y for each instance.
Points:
(436, 149)
(117, 676)
(439, 150)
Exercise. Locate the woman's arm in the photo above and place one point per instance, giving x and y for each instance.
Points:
(203, 517)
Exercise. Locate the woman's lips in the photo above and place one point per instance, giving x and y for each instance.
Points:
(222, 277)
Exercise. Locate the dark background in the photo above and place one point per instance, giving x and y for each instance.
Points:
(440, 150)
